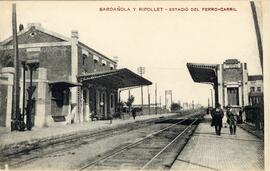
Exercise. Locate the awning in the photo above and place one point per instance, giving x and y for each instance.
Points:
(63, 84)
(202, 73)
(120, 78)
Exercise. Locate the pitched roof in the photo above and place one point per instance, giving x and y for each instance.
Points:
(96, 52)
(51, 33)
(39, 28)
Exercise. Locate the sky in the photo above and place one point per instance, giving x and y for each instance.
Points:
(161, 41)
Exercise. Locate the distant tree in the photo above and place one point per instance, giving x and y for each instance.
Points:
(129, 102)
(175, 107)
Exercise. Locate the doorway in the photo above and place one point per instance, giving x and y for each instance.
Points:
(102, 104)
(233, 96)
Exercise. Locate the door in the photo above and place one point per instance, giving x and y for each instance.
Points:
(3, 104)
(84, 104)
(56, 103)
(233, 96)
(112, 103)
(102, 104)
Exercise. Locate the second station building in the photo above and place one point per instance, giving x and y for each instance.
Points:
(231, 82)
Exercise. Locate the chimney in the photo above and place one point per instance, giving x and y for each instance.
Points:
(74, 34)
(21, 27)
(33, 25)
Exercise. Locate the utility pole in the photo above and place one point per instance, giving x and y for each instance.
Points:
(16, 91)
(171, 97)
(23, 89)
(148, 100)
(160, 106)
(258, 33)
(165, 99)
(156, 98)
(141, 71)
(212, 98)
(129, 107)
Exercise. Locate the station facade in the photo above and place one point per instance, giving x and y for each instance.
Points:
(73, 80)
(230, 80)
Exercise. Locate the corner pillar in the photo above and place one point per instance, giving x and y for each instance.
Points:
(86, 109)
(74, 72)
(41, 110)
(245, 85)
(220, 86)
(7, 75)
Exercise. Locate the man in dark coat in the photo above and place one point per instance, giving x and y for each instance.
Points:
(232, 119)
(217, 119)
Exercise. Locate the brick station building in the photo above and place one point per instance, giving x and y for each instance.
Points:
(73, 80)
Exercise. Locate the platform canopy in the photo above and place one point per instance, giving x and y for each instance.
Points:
(203, 73)
(63, 84)
(120, 78)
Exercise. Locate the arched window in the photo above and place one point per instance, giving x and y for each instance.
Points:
(104, 63)
(96, 59)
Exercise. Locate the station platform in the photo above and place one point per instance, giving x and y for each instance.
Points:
(207, 151)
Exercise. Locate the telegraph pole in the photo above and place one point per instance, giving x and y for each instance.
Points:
(258, 33)
(212, 98)
(129, 107)
(160, 106)
(16, 91)
(156, 98)
(148, 99)
(141, 71)
(165, 99)
(171, 97)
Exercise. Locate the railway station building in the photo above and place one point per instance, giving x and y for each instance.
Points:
(231, 82)
(73, 81)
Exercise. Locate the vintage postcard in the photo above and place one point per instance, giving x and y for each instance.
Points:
(134, 85)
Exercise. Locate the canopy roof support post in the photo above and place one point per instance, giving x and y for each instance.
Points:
(215, 86)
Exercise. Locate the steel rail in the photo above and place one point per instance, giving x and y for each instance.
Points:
(127, 147)
(86, 136)
(150, 161)
(68, 140)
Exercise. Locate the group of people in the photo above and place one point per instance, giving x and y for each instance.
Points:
(232, 118)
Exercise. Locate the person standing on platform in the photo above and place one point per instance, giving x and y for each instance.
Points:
(133, 113)
(231, 119)
(217, 116)
(240, 118)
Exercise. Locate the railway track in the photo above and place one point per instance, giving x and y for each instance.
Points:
(20, 158)
(16, 160)
(150, 152)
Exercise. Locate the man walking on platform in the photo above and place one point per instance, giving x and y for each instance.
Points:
(217, 119)
(232, 119)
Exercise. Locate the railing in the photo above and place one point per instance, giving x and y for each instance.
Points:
(255, 115)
